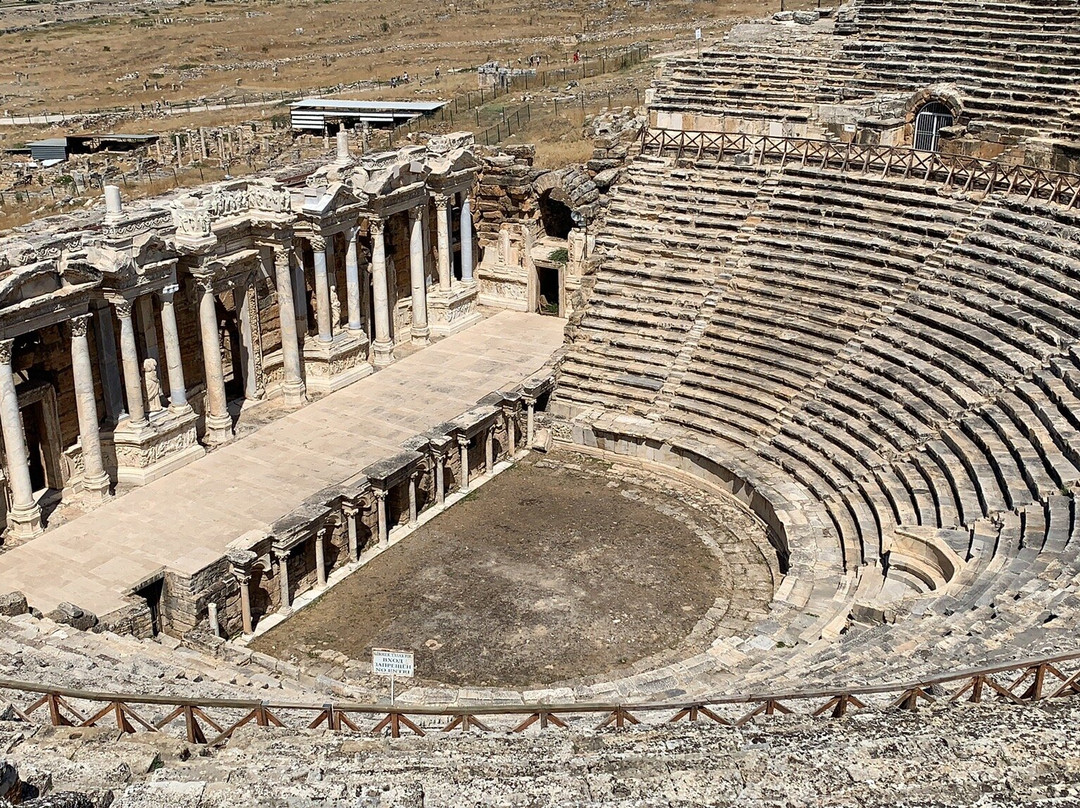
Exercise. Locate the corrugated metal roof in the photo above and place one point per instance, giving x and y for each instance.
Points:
(339, 104)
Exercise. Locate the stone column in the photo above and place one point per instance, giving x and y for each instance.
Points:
(466, 240)
(511, 432)
(489, 451)
(420, 331)
(95, 480)
(292, 385)
(132, 372)
(218, 420)
(173, 357)
(320, 555)
(530, 403)
(352, 514)
(380, 504)
(299, 283)
(463, 444)
(412, 498)
(245, 602)
(440, 479)
(322, 290)
(383, 347)
(442, 224)
(352, 285)
(145, 313)
(24, 518)
(282, 558)
(111, 384)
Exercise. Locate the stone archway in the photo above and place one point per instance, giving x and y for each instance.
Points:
(929, 111)
(570, 187)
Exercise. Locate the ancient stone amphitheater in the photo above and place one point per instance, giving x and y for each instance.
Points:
(837, 279)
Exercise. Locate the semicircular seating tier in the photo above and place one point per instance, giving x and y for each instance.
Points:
(894, 365)
(1011, 68)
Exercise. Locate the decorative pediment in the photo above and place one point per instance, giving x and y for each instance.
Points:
(334, 197)
(46, 278)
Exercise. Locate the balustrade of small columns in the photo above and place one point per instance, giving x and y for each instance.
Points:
(421, 469)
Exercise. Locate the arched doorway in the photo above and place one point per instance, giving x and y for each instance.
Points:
(929, 121)
(555, 216)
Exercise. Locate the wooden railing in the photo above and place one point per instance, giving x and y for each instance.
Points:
(964, 173)
(214, 721)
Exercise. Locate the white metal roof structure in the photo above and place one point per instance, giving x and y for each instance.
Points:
(313, 114)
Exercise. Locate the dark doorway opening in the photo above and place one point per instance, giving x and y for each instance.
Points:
(151, 593)
(549, 290)
(556, 217)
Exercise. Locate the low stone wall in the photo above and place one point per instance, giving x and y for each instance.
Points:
(266, 569)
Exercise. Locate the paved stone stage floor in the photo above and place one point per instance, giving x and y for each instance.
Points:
(185, 520)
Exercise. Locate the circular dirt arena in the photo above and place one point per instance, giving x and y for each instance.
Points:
(561, 569)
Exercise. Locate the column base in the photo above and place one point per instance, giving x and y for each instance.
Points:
(383, 353)
(420, 336)
(147, 453)
(453, 311)
(24, 523)
(329, 366)
(96, 489)
(219, 430)
(294, 394)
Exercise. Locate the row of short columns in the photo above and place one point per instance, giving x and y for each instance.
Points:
(353, 512)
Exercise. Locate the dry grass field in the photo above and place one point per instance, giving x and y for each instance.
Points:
(210, 49)
(80, 57)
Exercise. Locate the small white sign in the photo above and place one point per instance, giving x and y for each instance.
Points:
(697, 33)
(391, 663)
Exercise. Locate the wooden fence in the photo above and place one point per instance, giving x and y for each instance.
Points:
(213, 721)
(966, 173)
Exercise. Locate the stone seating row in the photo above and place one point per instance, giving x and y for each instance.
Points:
(997, 56)
(664, 249)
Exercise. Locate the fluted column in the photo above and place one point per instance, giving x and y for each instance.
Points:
(383, 347)
(511, 431)
(489, 451)
(322, 290)
(292, 385)
(466, 240)
(463, 445)
(442, 227)
(95, 480)
(413, 509)
(129, 356)
(530, 421)
(282, 558)
(384, 531)
(320, 555)
(440, 478)
(24, 517)
(418, 281)
(173, 357)
(245, 602)
(218, 420)
(352, 514)
(352, 284)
